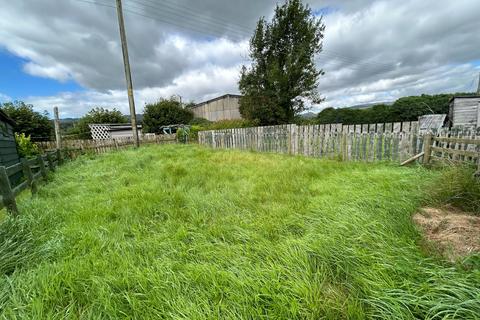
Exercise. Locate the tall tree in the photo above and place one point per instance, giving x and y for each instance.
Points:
(32, 123)
(283, 74)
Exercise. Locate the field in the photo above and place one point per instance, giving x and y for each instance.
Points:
(189, 233)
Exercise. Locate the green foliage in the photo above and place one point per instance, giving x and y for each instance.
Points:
(186, 232)
(458, 187)
(283, 73)
(200, 122)
(81, 130)
(404, 109)
(230, 124)
(163, 113)
(31, 123)
(184, 134)
(25, 146)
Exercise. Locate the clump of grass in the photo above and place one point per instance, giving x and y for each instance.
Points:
(456, 186)
(17, 246)
(187, 232)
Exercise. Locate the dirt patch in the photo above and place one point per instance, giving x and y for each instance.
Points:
(454, 233)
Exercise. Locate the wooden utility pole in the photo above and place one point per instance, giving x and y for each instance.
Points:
(478, 89)
(128, 75)
(58, 137)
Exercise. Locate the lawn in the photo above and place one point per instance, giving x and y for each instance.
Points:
(185, 232)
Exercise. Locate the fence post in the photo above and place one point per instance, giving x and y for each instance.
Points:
(427, 148)
(27, 171)
(51, 165)
(43, 170)
(7, 193)
(59, 157)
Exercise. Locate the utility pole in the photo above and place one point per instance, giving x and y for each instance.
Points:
(478, 89)
(58, 137)
(128, 75)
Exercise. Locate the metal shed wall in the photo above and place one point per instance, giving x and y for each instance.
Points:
(464, 112)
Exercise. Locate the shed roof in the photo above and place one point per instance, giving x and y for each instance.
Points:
(464, 97)
(4, 116)
(228, 95)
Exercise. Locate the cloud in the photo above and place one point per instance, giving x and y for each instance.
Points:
(4, 98)
(195, 85)
(374, 50)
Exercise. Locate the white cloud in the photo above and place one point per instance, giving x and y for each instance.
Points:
(4, 98)
(374, 50)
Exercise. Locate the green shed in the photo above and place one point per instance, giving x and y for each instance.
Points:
(8, 148)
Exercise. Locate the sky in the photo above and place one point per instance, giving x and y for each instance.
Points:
(67, 53)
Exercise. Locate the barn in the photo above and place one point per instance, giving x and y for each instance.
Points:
(465, 112)
(225, 107)
(8, 148)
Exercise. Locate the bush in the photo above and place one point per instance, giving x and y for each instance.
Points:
(231, 124)
(26, 147)
(163, 113)
(200, 122)
(458, 187)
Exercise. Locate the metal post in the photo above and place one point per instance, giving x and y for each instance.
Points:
(128, 76)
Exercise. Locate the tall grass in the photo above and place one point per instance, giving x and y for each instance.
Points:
(186, 232)
(458, 187)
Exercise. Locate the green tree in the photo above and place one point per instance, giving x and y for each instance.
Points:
(32, 123)
(283, 73)
(81, 130)
(163, 113)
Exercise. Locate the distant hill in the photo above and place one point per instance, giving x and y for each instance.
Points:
(308, 115)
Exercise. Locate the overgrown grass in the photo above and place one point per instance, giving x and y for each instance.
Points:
(458, 187)
(185, 232)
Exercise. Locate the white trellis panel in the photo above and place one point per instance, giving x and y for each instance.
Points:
(100, 131)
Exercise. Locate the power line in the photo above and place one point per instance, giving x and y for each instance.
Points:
(246, 31)
(352, 64)
(201, 18)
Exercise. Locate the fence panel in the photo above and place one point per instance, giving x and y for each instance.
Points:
(396, 142)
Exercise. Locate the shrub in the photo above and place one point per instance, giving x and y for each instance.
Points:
(200, 122)
(163, 113)
(26, 147)
(230, 124)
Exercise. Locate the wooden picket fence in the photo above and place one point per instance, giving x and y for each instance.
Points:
(31, 171)
(27, 173)
(75, 147)
(368, 142)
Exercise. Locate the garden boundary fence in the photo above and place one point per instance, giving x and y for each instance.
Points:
(396, 142)
(74, 147)
(28, 172)
(33, 170)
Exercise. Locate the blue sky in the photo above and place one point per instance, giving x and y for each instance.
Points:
(17, 84)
